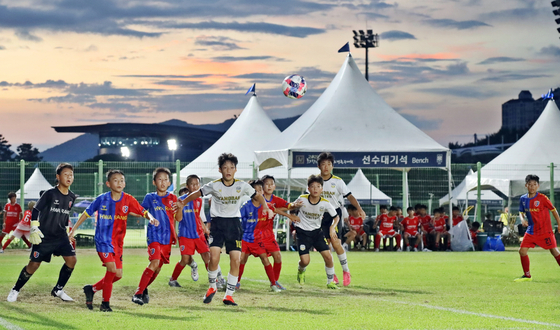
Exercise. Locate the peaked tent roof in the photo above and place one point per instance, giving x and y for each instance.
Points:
(459, 195)
(349, 116)
(530, 155)
(34, 185)
(366, 193)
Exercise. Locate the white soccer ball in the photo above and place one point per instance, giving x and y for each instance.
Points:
(294, 86)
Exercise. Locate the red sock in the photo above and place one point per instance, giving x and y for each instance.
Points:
(8, 241)
(416, 244)
(525, 265)
(241, 269)
(99, 285)
(557, 259)
(270, 273)
(146, 277)
(108, 285)
(177, 272)
(206, 265)
(116, 279)
(277, 268)
(26, 241)
(398, 243)
(152, 279)
(377, 241)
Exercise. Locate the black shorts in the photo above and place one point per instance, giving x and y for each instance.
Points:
(308, 239)
(45, 250)
(228, 231)
(327, 222)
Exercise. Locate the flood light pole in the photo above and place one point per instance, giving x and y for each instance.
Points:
(366, 40)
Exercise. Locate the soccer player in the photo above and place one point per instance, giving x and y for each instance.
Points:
(356, 225)
(226, 226)
(534, 210)
(387, 229)
(457, 217)
(112, 209)
(334, 188)
(425, 226)
(410, 226)
(48, 233)
(309, 233)
(162, 205)
(22, 229)
(12, 216)
(440, 231)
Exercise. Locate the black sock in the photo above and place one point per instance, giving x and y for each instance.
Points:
(63, 277)
(24, 276)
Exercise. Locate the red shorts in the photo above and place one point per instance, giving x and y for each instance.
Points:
(270, 245)
(255, 249)
(160, 252)
(111, 257)
(546, 241)
(390, 232)
(189, 245)
(9, 225)
(412, 233)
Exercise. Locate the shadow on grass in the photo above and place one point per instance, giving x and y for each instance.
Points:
(161, 317)
(354, 291)
(36, 318)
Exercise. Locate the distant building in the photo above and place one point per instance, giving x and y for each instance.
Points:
(521, 113)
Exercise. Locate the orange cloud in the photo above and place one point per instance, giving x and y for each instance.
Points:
(412, 57)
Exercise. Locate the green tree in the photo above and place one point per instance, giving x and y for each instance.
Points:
(28, 153)
(5, 152)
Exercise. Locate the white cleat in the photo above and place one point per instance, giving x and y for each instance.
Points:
(399, 250)
(194, 273)
(62, 295)
(408, 249)
(12, 297)
(1, 250)
(426, 250)
(415, 249)
(376, 250)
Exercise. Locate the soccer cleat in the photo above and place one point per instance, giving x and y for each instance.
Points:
(448, 250)
(362, 248)
(61, 294)
(237, 286)
(377, 250)
(399, 250)
(209, 295)
(137, 299)
(194, 273)
(145, 296)
(12, 297)
(523, 279)
(346, 278)
(408, 249)
(105, 307)
(335, 279)
(301, 277)
(332, 285)
(174, 284)
(88, 291)
(345, 246)
(274, 288)
(426, 250)
(415, 249)
(228, 300)
(280, 286)
(1, 250)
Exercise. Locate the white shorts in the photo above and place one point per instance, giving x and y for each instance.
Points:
(19, 233)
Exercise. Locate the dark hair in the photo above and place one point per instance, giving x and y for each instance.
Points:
(190, 177)
(417, 206)
(11, 194)
(410, 208)
(399, 208)
(455, 208)
(62, 166)
(531, 177)
(437, 210)
(393, 208)
(254, 183)
(225, 157)
(161, 170)
(422, 206)
(314, 178)
(325, 156)
(266, 177)
(475, 225)
(382, 207)
(183, 191)
(351, 207)
(111, 172)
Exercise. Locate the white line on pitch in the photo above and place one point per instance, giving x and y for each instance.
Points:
(8, 325)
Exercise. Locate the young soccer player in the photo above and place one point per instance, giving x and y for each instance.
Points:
(112, 209)
(162, 205)
(534, 210)
(333, 189)
(309, 232)
(226, 226)
(48, 233)
(440, 231)
(457, 217)
(12, 216)
(387, 229)
(410, 227)
(356, 225)
(22, 229)
(425, 226)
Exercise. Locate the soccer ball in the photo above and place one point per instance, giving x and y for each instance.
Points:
(294, 86)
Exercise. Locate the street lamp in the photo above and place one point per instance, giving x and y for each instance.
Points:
(125, 152)
(366, 40)
(172, 145)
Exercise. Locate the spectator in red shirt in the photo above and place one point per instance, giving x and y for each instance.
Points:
(356, 226)
(12, 215)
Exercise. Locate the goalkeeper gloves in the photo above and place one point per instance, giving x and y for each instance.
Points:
(36, 234)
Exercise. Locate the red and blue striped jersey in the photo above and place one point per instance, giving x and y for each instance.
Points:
(111, 220)
(249, 220)
(536, 211)
(266, 225)
(189, 226)
(161, 207)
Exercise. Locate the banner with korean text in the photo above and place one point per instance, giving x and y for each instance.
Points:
(374, 159)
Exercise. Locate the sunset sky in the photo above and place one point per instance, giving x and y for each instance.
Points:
(447, 66)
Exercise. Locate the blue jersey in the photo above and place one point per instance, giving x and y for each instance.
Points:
(161, 207)
(188, 226)
(249, 220)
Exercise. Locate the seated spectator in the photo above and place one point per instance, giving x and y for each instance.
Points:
(474, 230)
(356, 231)
(386, 229)
(425, 226)
(457, 217)
(410, 227)
(440, 231)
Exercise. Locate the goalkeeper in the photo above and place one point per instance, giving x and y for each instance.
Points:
(48, 233)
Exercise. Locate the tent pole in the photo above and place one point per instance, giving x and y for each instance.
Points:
(100, 176)
(449, 184)
(21, 184)
(552, 186)
(377, 186)
(287, 221)
(405, 189)
(178, 179)
(478, 201)
(95, 184)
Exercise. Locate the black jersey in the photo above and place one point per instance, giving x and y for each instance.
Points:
(54, 212)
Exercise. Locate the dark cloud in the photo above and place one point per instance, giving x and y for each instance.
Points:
(247, 58)
(462, 91)
(504, 77)
(528, 11)
(501, 59)
(459, 25)
(396, 35)
(193, 84)
(91, 48)
(2, 47)
(25, 35)
(217, 43)
(551, 50)
(166, 76)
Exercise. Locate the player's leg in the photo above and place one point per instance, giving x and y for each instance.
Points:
(110, 275)
(215, 252)
(8, 241)
(186, 259)
(398, 239)
(329, 269)
(438, 239)
(525, 263)
(305, 243)
(556, 254)
(25, 239)
(243, 260)
(234, 260)
(406, 241)
(154, 255)
(447, 237)
(23, 277)
(417, 240)
(377, 241)
(64, 276)
(269, 272)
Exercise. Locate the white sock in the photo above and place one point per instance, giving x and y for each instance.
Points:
(193, 264)
(212, 278)
(219, 272)
(300, 269)
(330, 274)
(231, 283)
(343, 262)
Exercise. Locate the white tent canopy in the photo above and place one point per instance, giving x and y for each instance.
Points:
(365, 192)
(460, 194)
(35, 184)
(530, 155)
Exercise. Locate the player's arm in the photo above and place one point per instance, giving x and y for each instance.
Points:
(81, 220)
(266, 209)
(191, 197)
(282, 212)
(332, 229)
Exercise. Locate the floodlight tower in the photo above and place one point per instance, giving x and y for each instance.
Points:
(556, 11)
(366, 40)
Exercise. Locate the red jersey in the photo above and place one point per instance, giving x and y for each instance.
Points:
(25, 223)
(267, 228)
(12, 212)
(457, 219)
(536, 211)
(439, 224)
(425, 222)
(197, 206)
(356, 223)
(387, 222)
(410, 225)
(265, 225)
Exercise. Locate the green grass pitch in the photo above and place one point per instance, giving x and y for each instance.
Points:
(389, 291)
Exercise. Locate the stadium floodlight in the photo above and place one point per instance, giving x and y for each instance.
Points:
(556, 12)
(172, 145)
(366, 40)
(125, 152)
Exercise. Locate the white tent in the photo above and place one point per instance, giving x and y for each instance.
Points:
(530, 155)
(460, 196)
(365, 192)
(34, 185)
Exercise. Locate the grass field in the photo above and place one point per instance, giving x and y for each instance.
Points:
(389, 291)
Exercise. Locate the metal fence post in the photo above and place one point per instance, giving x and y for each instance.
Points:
(478, 199)
(100, 177)
(552, 186)
(22, 184)
(178, 179)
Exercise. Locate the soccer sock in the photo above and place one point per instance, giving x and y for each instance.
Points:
(206, 265)
(176, 272)
(108, 285)
(219, 273)
(277, 268)
(241, 269)
(398, 241)
(146, 277)
(231, 283)
(212, 274)
(330, 274)
(24, 276)
(63, 276)
(26, 241)
(300, 269)
(343, 262)
(193, 264)
(99, 285)
(557, 259)
(153, 278)
(377, 241)
(525, 264)
(8, 241)
(270, 273)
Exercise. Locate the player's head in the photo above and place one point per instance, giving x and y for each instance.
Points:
(183, 191)
(193, 183)
(31, 205)
(161, 179)
(392, 210)
(12, 197)
(65, 174)
(269, 184)
(417, 207)
(115, 180)
(258, 186)
(410, 211)
(352, 210)
(437, 213)
(456, 211)
(422, 209)
(475, 225)
(382, 208)
(315, 185)
(532, 183)
(399, 210)
(227, 162)
(325, 162)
